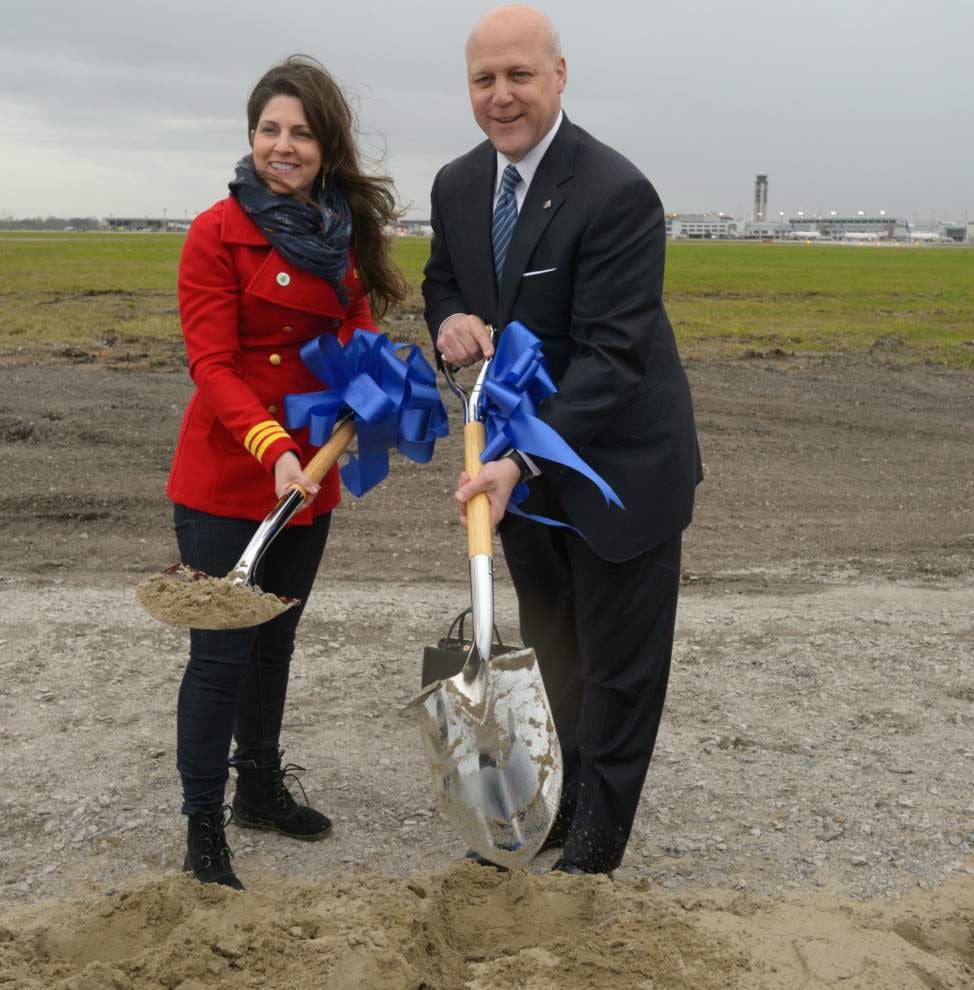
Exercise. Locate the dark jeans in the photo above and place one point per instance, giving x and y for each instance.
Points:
(235, 682)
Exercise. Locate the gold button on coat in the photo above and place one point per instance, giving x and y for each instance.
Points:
(272, 408)
(283, 278)
(287, 329)
(275, 359)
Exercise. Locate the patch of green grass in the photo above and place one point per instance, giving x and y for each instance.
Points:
(74, 263)
(89, 296)
(112, 297)
(410, 254)
(914, 303)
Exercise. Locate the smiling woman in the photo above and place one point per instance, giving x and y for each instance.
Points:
(296, 251)
(287, 155)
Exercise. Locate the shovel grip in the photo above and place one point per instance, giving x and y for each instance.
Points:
(327, 454)
(478, 508)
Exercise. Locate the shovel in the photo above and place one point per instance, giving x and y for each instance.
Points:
(183, 596)
(488, 731)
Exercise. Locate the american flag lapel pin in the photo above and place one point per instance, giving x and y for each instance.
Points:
(546, 205)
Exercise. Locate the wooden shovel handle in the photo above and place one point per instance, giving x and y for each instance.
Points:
(478, 508)
(327, 454)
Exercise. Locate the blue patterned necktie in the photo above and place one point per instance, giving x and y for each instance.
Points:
(505, 216)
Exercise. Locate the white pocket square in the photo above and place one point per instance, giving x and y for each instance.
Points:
(540, 271)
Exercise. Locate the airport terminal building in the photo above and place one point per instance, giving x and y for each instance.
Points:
(808, 227)
(836, 228)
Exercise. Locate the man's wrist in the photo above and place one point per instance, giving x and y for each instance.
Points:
(524, 472)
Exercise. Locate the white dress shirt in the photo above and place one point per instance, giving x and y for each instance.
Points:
(527, 166)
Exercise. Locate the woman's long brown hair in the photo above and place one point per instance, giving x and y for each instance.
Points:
(370, 197)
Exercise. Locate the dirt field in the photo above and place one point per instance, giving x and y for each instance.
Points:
(809, 817)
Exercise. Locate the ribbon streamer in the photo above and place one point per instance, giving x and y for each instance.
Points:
(517, 382)
(395, 402)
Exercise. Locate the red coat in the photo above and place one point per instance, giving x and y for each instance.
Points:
(245, 313)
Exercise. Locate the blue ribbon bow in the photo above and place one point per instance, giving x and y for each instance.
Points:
(395, 402)
(517, 382)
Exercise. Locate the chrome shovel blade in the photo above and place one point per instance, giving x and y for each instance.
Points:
(495, 757)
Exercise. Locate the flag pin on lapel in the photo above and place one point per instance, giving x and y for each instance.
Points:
(546, 205)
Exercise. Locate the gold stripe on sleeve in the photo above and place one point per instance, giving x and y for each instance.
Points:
(259, 438)
(251, 437)
(268, 440)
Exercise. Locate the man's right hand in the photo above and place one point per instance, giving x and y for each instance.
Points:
(497, 479)
(463, 339)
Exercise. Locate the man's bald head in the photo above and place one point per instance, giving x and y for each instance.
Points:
(520, 20)
(516, 74)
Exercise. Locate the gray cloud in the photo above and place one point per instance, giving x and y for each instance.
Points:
(110, 107)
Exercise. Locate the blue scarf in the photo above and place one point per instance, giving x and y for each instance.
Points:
(315, 238)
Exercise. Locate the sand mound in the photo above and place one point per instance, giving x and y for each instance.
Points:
(474, 928)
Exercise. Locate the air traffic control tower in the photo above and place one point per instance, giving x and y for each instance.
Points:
(760, 198)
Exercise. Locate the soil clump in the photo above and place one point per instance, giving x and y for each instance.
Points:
(181, 596)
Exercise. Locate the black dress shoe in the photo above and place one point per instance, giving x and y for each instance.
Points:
(472, 854)
(554, 841)
(573, 869)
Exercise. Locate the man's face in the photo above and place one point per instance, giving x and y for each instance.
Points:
(515, 84)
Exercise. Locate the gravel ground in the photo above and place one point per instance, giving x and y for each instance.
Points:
(819, 723)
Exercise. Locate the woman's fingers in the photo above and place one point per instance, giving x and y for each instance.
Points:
(287, 472)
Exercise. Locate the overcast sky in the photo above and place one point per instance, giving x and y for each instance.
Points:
(136, 107)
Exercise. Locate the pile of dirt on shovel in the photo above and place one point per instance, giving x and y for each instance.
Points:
(474, 928)
(184, 597)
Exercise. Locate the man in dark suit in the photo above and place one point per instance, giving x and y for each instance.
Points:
(543, 224)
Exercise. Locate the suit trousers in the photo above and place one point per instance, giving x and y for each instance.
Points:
(603, 635)
(235, 683)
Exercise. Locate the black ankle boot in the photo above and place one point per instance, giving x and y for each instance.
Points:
(262, 800)
(207, 853)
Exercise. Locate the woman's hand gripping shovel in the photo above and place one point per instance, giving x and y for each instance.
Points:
(183, 596)
(488, 731)
(388, 400)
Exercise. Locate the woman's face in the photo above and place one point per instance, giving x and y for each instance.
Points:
(286, 152)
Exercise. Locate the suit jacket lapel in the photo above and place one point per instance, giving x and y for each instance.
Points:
(477, 216)
(542, 202)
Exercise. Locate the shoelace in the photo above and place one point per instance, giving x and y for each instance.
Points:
(283, 795)
(220, 835)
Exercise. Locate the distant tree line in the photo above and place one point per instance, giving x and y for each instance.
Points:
(51, 223)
